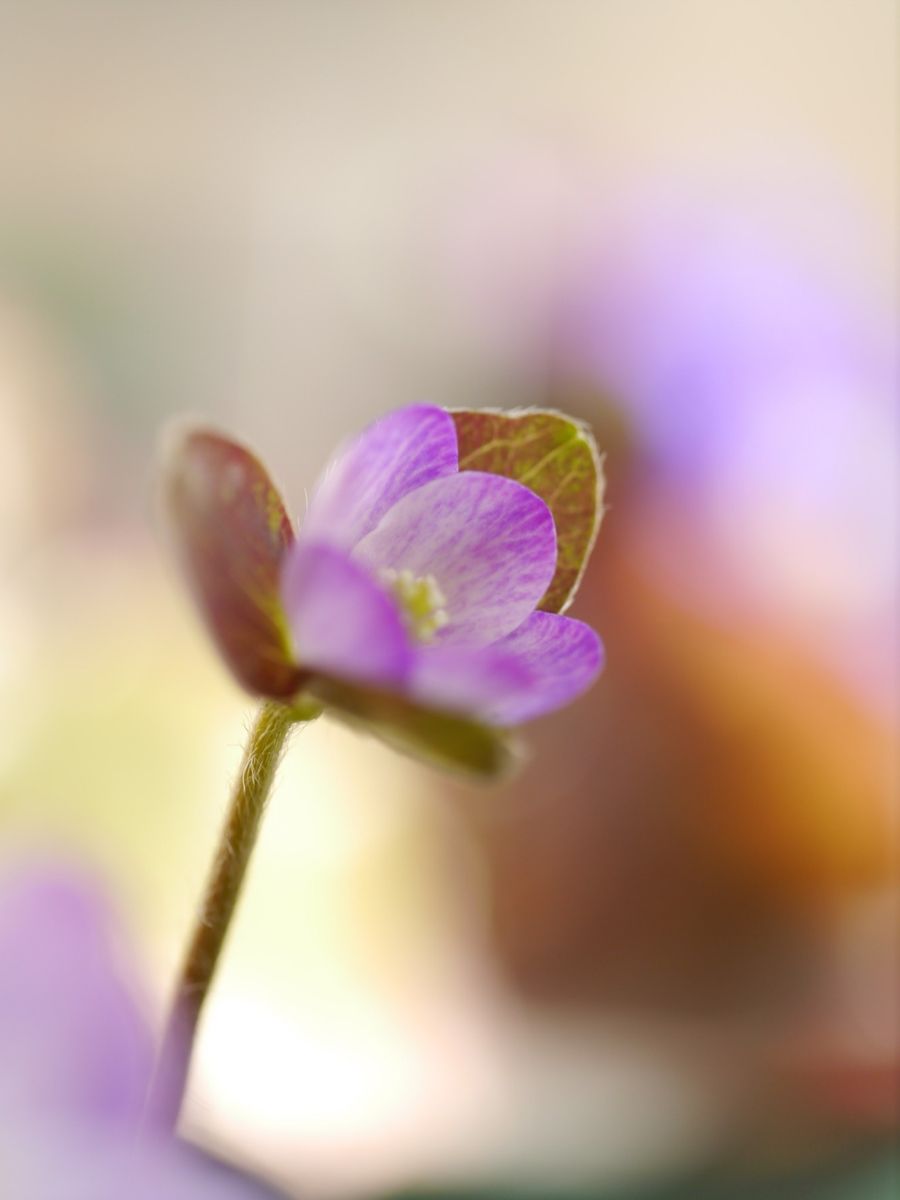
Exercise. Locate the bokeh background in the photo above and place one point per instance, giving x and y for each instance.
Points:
(664, 959)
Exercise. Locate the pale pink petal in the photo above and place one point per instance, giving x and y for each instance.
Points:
(488, 542)
(394, 456)
(342, 621)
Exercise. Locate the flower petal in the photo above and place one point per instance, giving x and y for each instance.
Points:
(563, 658)
(340, 619)
(394, 456)
(489, 543)
(73, 1042)
(473, 680)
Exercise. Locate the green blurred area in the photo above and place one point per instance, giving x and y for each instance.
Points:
(869, 1177)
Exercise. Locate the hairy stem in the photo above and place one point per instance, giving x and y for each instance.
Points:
(265, 746)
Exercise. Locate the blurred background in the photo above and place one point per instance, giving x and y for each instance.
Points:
(663, 961)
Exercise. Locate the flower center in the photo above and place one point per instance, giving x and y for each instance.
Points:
(421, 601)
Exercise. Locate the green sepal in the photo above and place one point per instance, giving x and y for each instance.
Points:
(438, 738)
(556, 457)
(231, 530)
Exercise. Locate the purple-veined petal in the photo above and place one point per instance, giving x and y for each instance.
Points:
(394, 456)
(341, 620)
(563, 658)
(473, 680)
(489, 543)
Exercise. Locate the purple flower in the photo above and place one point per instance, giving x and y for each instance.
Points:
(76, 1056)
(763, 405)
(751, 368)
(418, 577)
(424, 592)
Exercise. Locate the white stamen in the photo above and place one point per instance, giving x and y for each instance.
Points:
(421, 601)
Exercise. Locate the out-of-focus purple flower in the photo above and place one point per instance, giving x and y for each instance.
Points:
(697, 322)
(77, 1057)
(755, 375)
(763, 403)
(754, 369)
(72, 1039)
(418, 577)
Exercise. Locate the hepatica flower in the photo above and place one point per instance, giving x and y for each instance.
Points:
(423, 595)
(422, 599)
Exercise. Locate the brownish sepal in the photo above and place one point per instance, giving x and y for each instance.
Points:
(231, 530)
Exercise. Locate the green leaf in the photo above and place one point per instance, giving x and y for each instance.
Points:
(557, 458)
(437, 738)
(230, 530)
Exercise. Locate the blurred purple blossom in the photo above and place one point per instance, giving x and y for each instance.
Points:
(77, 1056)
(701, 325)
(72, 1039)
(763, 404)
(758, 382)
(412, 575)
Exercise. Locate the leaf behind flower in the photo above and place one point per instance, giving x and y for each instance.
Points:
(556, 457)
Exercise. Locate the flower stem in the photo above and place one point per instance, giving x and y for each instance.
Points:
(262, 755)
